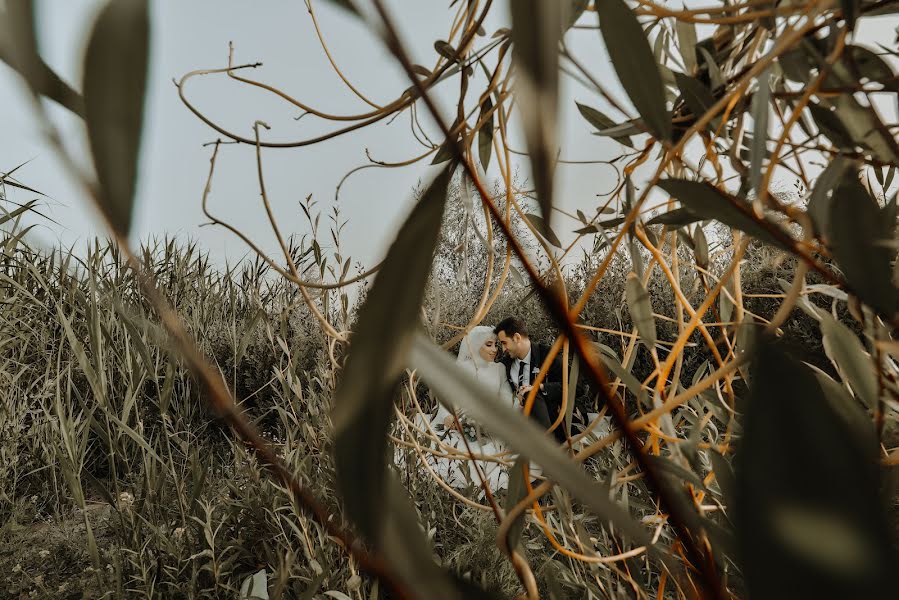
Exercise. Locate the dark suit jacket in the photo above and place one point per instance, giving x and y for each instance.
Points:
(549, 399)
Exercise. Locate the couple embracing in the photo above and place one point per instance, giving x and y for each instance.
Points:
(510, 380)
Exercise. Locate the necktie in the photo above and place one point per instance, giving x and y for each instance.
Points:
(522, 372)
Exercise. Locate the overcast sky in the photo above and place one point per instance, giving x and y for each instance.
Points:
(279, 33)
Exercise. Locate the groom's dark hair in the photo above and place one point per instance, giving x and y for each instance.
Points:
(510, 326)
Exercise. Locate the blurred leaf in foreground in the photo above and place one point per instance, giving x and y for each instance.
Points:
(115, 76)
(810, 518)
(363, 403)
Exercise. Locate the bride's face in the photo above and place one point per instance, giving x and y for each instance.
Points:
(488, 350)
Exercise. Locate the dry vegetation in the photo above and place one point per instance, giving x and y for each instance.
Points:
(169, 429)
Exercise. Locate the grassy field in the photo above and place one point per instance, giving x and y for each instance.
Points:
(117, 480)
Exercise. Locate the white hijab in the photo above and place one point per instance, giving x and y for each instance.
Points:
(471, 344)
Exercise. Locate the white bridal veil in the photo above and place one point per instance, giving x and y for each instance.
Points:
(468, 350)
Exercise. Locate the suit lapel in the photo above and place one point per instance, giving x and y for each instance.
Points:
(536, 362)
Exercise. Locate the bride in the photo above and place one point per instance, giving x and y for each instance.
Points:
(476, 355)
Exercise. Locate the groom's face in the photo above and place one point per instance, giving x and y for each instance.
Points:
(514, 345)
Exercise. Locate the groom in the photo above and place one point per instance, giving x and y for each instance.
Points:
(523, 360)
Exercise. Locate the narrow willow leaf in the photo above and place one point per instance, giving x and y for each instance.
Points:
(857, 233)
(485, 134)
(850, 12)
(640, 307)
(634, 63)
(709, 202)
(686, 41)
(446, 50)
(846, 351)
(819, 201)
(363, 402)
(444, 153)
(725, 304)
(675, 218)
(758, 151)
(544, 229)
(796, 64)
(626, 377)
(724, 476)
(864, 127)
(115, 76)
(19, 49)
(700, 247)
(402, 541)
(831, 126)
(536, 32)
(514, 494)
(676, 471)
(573, 372)
(457, 389)
(716, 77)
(697, 96)
(602, 123)
(802, 476)
(867, 64)
(849, 409)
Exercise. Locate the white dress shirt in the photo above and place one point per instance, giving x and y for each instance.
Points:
(517, 366)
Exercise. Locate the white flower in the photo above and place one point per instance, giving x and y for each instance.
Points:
(44, 553)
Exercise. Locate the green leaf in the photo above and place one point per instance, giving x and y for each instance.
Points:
(403, 543)
(573, 372)
(849, 410)
(796, 64)
(446, 50)
(867, 64)
(115, 76)
(626, 377)
(700, 247)
(544, 229)
(686, 42)
(458, 389)
(831, 126)
(758, 150)
(697, 96)
(846, 351)
(485, 134)
(601, 122)
(444, 153)
(716, 77)
(640, 307)
(850, 12)
(19, 49)
(819, 201)
(536, 32)
(635, 65)
(514, 494)
(857, 234)
(803, 480)
(678, 217)
(363, 401)
(708, 202)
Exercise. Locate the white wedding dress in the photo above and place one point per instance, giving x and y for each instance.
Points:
(462, 472)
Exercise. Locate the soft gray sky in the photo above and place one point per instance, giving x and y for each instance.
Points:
(279, 33)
